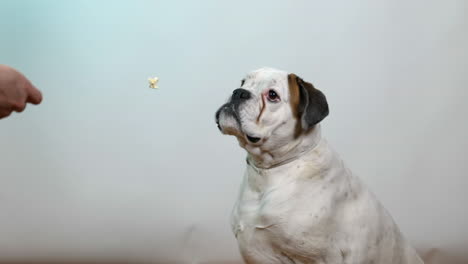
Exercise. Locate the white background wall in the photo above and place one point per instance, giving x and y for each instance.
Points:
(108, 167)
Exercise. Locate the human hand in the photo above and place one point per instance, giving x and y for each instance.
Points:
(15, 91)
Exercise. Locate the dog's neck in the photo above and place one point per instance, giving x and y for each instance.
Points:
(287, 153)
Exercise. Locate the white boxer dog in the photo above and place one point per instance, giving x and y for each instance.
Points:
(298, 203)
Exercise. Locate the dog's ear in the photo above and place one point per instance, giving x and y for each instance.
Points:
(309, 104)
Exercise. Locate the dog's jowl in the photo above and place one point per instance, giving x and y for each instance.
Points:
(298, 203)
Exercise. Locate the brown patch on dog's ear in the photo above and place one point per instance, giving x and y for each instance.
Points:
(294, 94)
(308, 103)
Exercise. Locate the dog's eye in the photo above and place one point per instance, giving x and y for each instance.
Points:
(273, 96)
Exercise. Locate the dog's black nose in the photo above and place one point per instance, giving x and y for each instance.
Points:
(240, 94)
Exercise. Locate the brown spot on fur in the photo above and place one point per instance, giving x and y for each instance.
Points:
(294, 93)
(294, 100)
(261, 111)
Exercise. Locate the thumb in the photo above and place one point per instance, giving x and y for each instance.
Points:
(34, 95)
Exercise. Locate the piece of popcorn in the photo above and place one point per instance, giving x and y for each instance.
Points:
(153, 82)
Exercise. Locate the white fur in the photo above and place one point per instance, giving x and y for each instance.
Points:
(298, 203)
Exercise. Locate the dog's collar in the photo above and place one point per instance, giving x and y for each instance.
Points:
(286, 161)
(251, 163)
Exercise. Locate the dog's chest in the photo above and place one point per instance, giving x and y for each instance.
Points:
(276, 209)
(261, 209)
(257, 218)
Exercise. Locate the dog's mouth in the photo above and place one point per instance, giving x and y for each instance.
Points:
(227, 120)
(253, 139)
(233, 127)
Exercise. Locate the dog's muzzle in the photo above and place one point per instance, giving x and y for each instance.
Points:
(231, 108)
(240, 95)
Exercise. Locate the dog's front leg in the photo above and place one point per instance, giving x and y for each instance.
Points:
(301, 256)
(285, 259)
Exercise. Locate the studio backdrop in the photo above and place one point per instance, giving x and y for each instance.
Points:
(107, 168)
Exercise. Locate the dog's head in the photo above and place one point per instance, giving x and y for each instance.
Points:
(270, 109)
